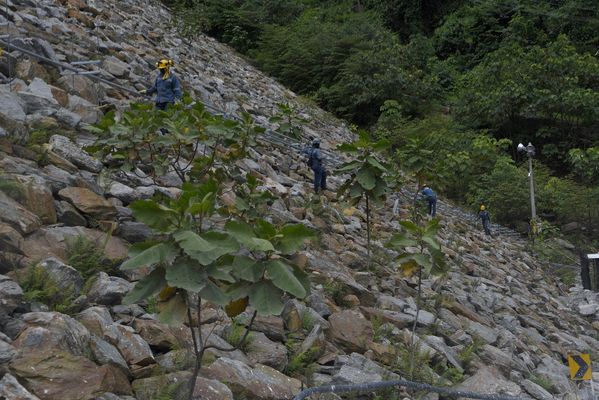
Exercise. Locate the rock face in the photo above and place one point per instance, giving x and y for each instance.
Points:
(495, 317)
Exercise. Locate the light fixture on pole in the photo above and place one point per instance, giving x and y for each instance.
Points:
(530, 152)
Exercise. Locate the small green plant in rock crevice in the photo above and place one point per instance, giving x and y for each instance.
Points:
(543, 382)
(87, 257)
(38, 285)
(237, 338)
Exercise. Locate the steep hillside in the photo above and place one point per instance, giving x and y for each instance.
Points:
(496, 323)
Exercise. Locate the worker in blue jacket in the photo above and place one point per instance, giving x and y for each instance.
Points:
(166, 85)
(431, 198)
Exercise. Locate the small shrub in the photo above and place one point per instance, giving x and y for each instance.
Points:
(307, 320)
(466, 355)
(87, 257)
(543, 382)
(235, 337)
(12, 189)
(38, 285)
(301, 364)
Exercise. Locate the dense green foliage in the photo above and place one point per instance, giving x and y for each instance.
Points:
(455, 85)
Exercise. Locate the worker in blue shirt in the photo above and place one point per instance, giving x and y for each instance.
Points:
(166, 85)
(431, 198)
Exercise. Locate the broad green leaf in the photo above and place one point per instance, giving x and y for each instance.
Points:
(173, 311)
(367, 178)
(265, 229)
(293, 238)
(431, 243)
(256, 244)
(399, 241)
(356, 191)
(214, 294)
(154, 215)
(203, 206)
(162, 252)
(410, 226)
(241, 204)
(240, 231)
(266, 298)
(146, 287)
(302, 276)
(248, 269)
(220, 272)
(381, 145)
(375, 163)
(186, 274)
(409, 268)
(223, 244)
(350, 166)
(347, 148)
(282, 276)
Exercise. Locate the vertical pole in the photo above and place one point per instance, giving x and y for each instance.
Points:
(596, 275)
(532, 189)
(585, 275)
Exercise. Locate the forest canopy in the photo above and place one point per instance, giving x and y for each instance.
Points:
(464, 80)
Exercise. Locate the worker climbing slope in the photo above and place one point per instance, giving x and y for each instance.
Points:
(166, 85)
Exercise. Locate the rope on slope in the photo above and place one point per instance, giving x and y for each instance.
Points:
(371, 387)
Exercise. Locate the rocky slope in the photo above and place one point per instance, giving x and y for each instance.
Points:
(497, 323)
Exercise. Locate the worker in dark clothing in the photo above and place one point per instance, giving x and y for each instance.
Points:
(485, 217)
(316, 162)
(166, 85)
(431, 198)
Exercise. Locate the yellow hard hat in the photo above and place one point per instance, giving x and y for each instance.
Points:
(482, 208)
(164, 63)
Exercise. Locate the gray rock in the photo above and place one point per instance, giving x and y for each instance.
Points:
(88, 112)
(35, 104)
(69, 150)
(11, 389)
(115, 67)
(17, 216)
(358, 369)
(108, 290)
(176, 360)
(536, 391)
(260, 382)
(95, 319)
(316, 301)
(131, 346)
(450, 354)
(488, 380)
(556, 372)
(11, 107)
(133, 232)
(123, 192)
(68, 117)
(52, 330)
(489, 335)
(264, 351)
(67, 214)
(7, 352)
(105, 353)
(67, 278)
(11, 295)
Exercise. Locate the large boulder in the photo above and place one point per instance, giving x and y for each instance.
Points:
(10, 241)
(67, 278)
(134, 349)
(105, 353)
(64, 147)
(262, 350)
(260, 382)
(108, 290)
(52, 331)
(487, 380)
(17, 216)
(95, 319)
(88, 202)
(350, 330)
(52, 242)
(37, 197)
(59, 375)
(162, 386)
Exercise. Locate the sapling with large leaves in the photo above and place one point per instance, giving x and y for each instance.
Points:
(419, 253)
(193, 255)
(369, 176)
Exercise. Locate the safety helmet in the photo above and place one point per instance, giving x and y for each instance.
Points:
(482, 207)
(316, 142)
(164, 63)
